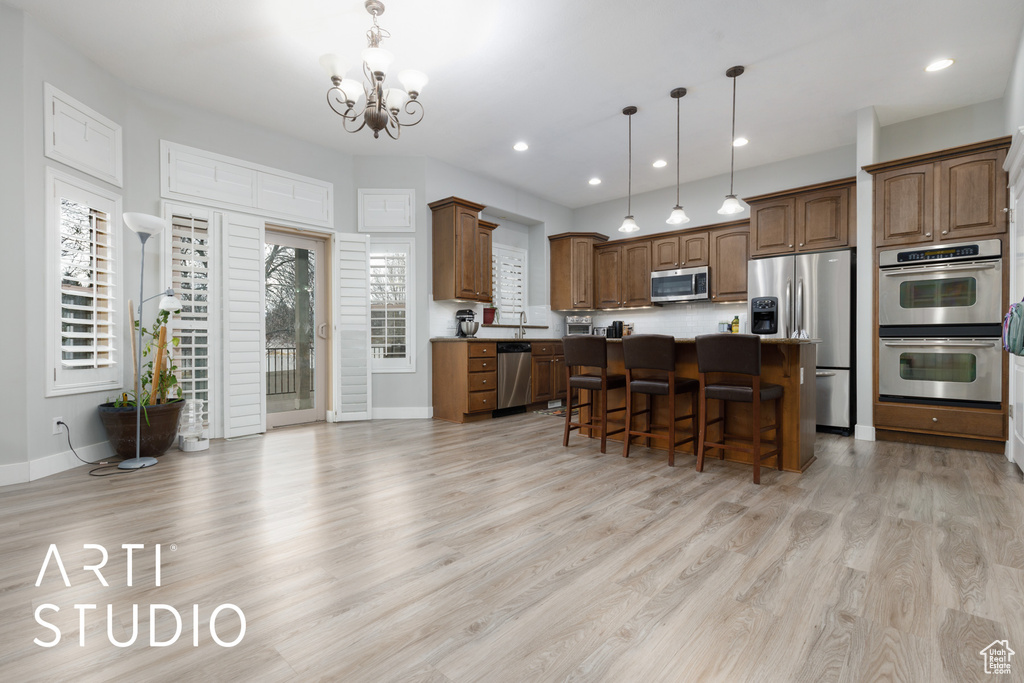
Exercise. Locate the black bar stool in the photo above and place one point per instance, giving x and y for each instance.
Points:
(737, 354)
(656, 352)
(587, 351)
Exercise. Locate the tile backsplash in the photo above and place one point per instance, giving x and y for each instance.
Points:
(678, 320)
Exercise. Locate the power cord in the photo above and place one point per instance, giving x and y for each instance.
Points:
(93, 472)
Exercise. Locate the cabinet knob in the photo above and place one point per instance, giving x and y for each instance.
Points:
(801, 244)
(1006, 211)
(935, 419)
(791, 246)
(485, 382)
(927, 234)
(945, 232)
(485, 400)
(485, 365)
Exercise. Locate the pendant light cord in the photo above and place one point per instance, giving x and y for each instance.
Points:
(629, 170)
(732, 146)
(677, 148)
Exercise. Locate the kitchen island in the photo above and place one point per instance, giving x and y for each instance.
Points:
(789, 363)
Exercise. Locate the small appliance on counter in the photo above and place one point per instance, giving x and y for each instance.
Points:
(579, 324)
(466, 325)
(615, 330)
(600, 331)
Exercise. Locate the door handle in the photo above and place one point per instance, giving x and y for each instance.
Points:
(966, 345)
(789, 304)
(938, 268)
(321, 330)
(822, 373)
(799, 326)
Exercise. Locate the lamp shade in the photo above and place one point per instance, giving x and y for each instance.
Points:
(395, 98)
(377, 59)
(333, 65)
(414, 81)
(731, 205)
(677, 217)
(629, 225)
(144, 223)
(170, 303)
(352, 89)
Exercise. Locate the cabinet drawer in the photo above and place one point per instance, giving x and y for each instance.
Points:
(546, 348)
(482, 400)
(989, 424)
(482, 364)
(481, 350)
(482, 381)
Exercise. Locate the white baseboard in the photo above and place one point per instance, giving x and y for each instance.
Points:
(16, 473)
(864, 432)
(19, 473)
(403, 413)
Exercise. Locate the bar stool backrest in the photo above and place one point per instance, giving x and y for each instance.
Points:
(735, 353)
(649, 352)
(585, 350)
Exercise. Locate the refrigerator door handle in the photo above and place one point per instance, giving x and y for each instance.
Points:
(789, 308)
(799, 325)
(823, 373)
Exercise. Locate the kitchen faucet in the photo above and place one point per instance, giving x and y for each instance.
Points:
(521, 334)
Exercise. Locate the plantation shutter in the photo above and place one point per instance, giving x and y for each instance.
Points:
(389, 314)
(509, 278)
(190, 275)
(244, 374)
(352, 380)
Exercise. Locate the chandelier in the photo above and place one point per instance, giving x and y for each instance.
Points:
(383, 106)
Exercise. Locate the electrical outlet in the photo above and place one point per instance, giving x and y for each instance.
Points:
(56, 427)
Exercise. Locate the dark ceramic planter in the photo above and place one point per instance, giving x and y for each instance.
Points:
(157, 435)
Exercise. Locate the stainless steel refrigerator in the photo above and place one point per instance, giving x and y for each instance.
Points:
(815, 299)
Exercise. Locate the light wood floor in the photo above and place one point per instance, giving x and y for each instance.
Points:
(427, 551)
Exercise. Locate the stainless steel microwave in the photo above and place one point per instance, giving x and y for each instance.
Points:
(685, 284)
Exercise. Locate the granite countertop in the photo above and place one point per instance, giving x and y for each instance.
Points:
(683, 340)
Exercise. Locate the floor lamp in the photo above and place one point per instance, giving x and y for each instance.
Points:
(145, 226)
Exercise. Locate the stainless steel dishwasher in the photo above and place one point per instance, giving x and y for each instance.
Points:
(513, 374)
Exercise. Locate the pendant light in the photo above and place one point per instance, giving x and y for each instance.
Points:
(678, 216)
(731, 204)
(628, 224)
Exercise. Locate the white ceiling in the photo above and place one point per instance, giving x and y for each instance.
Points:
(557, 74)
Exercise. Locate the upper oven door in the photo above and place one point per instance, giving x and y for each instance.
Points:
(946, 294)
(686, 284)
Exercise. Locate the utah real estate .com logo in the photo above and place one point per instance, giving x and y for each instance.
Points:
(997, 657)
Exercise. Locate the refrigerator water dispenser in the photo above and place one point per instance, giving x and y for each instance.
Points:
(764, 315)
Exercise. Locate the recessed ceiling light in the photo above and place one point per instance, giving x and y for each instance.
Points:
(660, 163)
(595, 181)
(939, 65)
(739, 142)
(520, 147)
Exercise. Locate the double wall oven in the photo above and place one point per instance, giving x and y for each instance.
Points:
(940, 319)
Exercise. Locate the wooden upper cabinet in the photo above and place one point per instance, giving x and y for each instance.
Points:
(679, 251)
(944, 196)
(772, 226)
(972, 195)
(572, 270)
(730, 250)
(636, 274)
(461, 250)
(904, 205)
(608, 276)
(812, 218)
(823, 219)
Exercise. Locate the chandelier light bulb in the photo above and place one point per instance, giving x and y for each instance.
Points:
(677, 217)
(352, 89)
(333, 65)
(629, 225)
(730, 206)
(414, 81)
(378, 61)
(395, 98)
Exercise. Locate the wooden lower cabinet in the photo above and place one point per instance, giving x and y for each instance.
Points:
(547, 371)
(465, 379)
(972, 423)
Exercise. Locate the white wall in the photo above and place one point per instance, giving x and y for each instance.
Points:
(1014, 97)
(974, 123)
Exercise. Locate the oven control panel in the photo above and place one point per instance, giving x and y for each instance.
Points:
(960, 251)
(939, 254)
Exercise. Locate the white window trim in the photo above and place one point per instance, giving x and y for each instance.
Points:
(407, 224)
(408, 364)
(496, 288)
(110, 203)
(93, 121)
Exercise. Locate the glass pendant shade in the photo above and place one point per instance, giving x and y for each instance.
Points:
(414, 81)
(377, 59)
(395, 98)
(333, 65)
(629, 225)
(352, 89)
(677, 217)
(731, 205)
(144, 223)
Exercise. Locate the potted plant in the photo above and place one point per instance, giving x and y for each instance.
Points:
(160, 397)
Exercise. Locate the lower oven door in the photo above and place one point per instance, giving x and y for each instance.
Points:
(940, 369)
(941, 294)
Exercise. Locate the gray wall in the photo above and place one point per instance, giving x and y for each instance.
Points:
(952, 128)
(1014, 97)
(13, 409)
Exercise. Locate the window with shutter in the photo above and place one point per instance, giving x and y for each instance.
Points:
(84, 248)
(190, 277)
(391, 321)
(509, 278)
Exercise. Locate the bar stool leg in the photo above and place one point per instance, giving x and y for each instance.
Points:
(629, 415)
(671, 421)
(703, 426)
(756, 427)
(695, 420)
(721, 451)
(778, 433)
(568, 417)
(604, 415)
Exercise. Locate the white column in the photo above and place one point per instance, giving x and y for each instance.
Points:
(867, 153)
